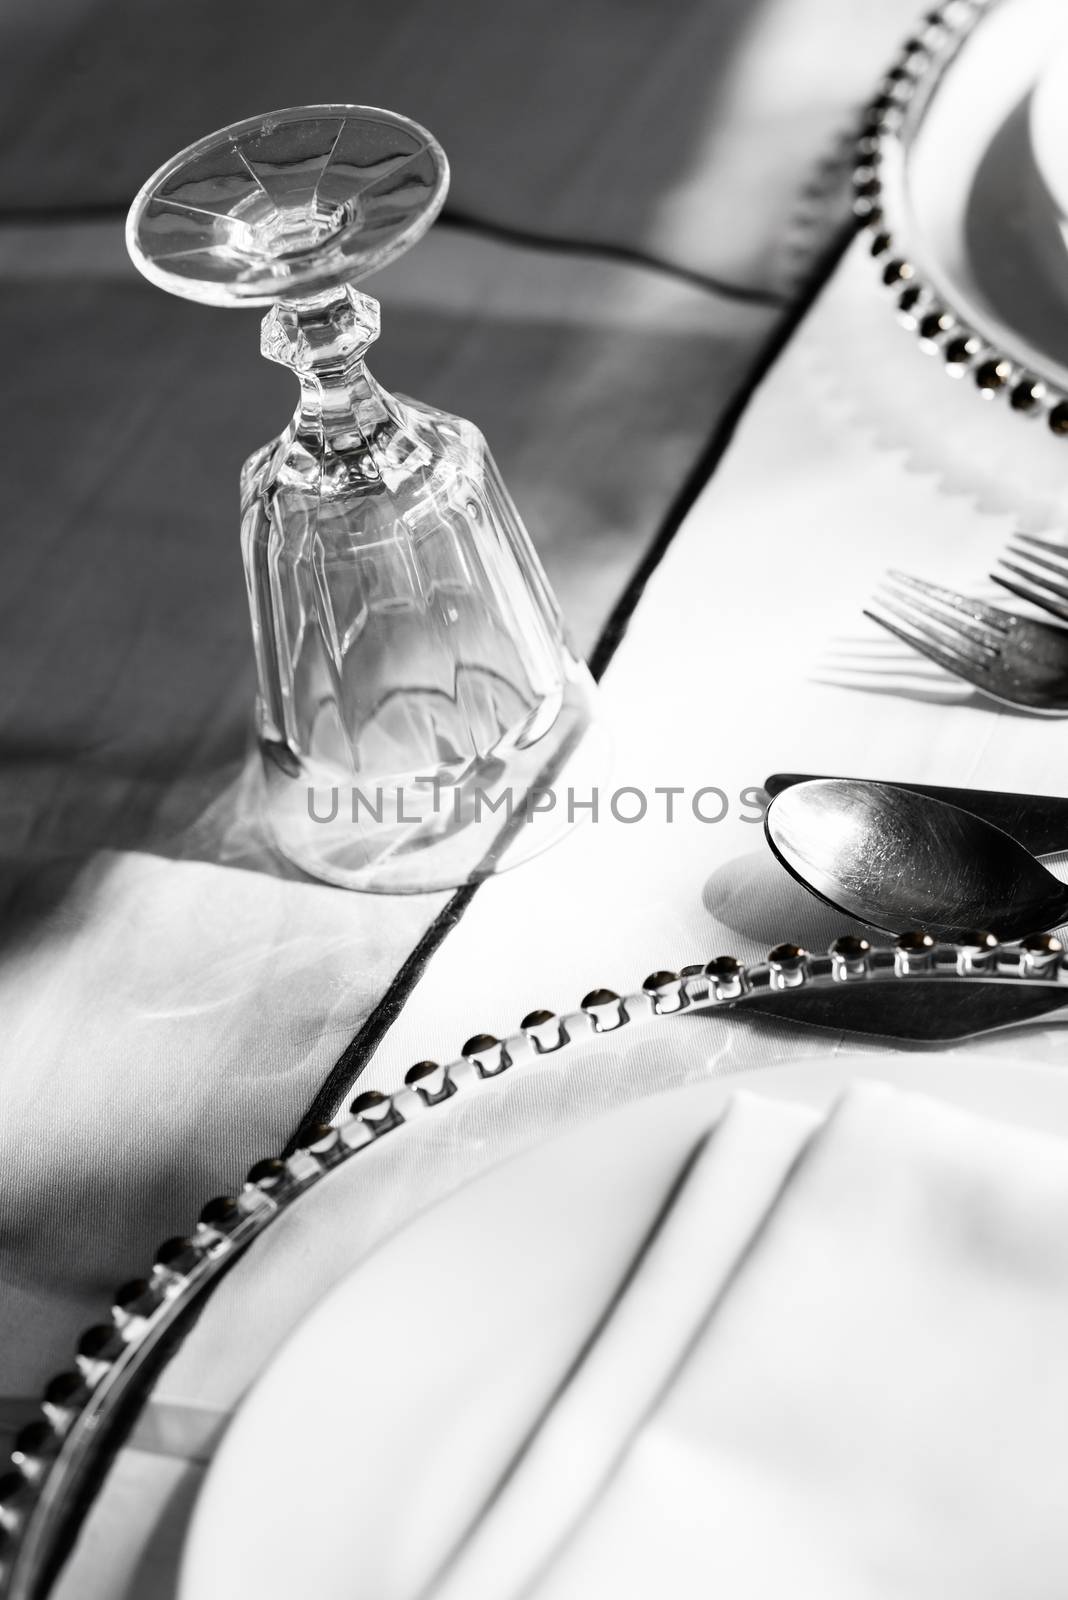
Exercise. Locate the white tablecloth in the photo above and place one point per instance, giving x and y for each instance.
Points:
(747, 654)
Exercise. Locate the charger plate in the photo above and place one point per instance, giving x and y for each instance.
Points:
(962, 187)
(519, 1088)
(465, 1325)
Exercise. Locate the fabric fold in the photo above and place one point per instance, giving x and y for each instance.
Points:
(876, 1407)
(721, 1197)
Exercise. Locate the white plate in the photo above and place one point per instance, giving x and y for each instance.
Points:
(387, 1417)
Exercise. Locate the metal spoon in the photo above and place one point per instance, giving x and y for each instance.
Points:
(895, 859)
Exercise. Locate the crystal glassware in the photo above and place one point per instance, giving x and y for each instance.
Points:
(422, 717)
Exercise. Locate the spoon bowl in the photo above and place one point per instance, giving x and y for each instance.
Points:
(896, 860)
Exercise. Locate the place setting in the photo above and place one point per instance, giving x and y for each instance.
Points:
(689, 1210)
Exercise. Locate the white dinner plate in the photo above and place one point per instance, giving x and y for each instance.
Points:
(379, 1429)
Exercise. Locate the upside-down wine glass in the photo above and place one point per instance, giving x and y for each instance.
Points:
(420, 710)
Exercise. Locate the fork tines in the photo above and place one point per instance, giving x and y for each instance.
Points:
(1040, 574)
(948, 628)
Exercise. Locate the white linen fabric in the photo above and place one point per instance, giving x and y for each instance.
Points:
(719, 1200)
(875, 1406)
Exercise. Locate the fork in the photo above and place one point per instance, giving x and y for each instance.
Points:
(1012, 659)
(1040, 557)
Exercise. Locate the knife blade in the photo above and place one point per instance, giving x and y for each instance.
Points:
(932, 1014)
(1038, 821)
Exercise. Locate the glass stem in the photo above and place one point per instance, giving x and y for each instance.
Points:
(343, 411)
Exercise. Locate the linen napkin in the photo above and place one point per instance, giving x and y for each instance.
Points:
(719, 1198)
(877, 1407)
(871, 1403)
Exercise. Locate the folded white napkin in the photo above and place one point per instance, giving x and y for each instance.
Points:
(691, 1249)
(870, 1401)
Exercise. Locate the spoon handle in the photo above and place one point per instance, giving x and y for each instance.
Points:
(1037, 821)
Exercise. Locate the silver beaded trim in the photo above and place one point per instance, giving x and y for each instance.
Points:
(53, 1452)
(878, 195)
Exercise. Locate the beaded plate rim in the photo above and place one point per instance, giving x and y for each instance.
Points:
(49, 1465)
(879, 209)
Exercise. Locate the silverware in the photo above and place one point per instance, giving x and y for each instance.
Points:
(1012, 659)
(918, 990)
(1043, 567)
(1038, 821)
(894, 859)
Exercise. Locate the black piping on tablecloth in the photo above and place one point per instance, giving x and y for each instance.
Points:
(357, 1054)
